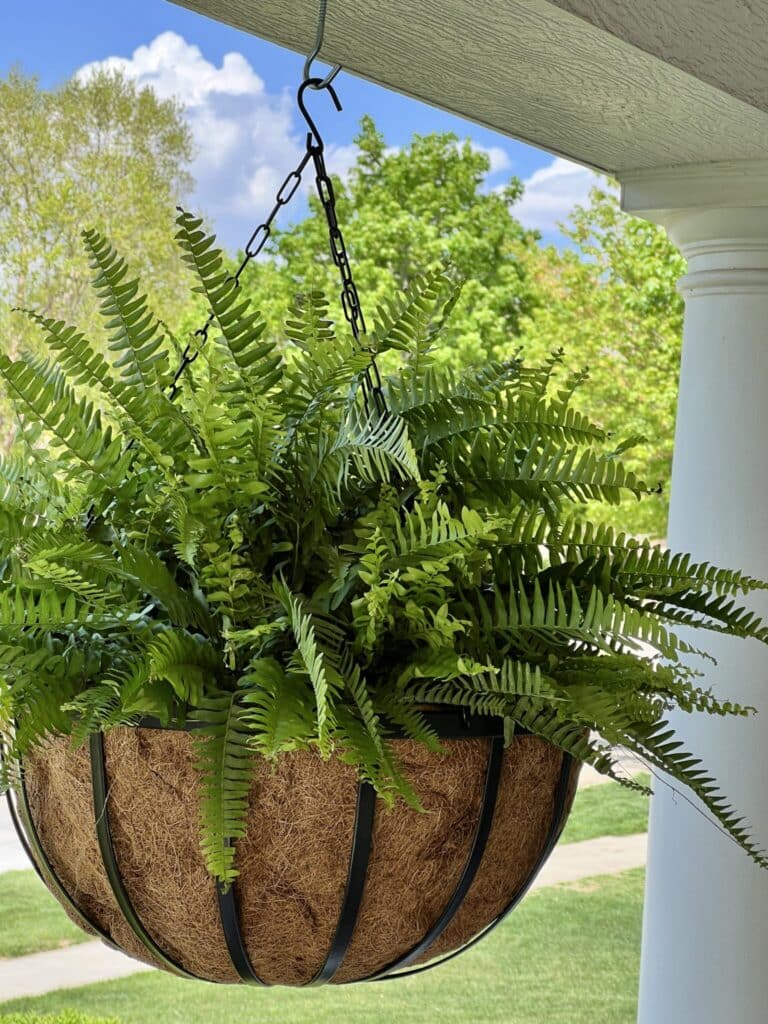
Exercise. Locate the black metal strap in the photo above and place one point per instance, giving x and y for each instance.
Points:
(556, 827)
(479, 843)
(104, 833)
(233, 936)
(29, 838)
(448, 724)
(365, 813)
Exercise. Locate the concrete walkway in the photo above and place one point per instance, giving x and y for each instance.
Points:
(12, 857)
(63, 968)
(92, 962)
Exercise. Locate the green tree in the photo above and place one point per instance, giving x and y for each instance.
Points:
(610, 302)
(101, 152)
(405, 211)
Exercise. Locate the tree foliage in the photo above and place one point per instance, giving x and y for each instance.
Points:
(100, 151)
(277, 560)
(611, 300)
(408, 211)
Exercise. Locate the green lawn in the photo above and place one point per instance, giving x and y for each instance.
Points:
(68, 1017)
(568, 955)
(30, 918)
(607, 810)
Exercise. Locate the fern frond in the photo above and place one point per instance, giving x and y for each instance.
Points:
(135, 333)
(645, 565)
(241, 328)
(373, 446)
(95, 710)
(190, 664)
(153, 577)
(549, 471)
(74, 425)
(313, 660)
(146, 416)
(224, 758)
(278, 713)
(439, 538)
(511, 418)
(411, 322)
(47, 610)
(657, 746)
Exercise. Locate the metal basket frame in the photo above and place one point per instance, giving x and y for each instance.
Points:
(447, 724)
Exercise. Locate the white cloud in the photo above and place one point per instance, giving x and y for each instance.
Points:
(340, 159)
(498, 157)
(551, 193)
(245, 140)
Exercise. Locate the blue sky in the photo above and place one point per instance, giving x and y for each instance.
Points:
(238, 91)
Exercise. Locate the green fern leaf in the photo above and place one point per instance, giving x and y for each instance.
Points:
(224, 758)
(135, 335)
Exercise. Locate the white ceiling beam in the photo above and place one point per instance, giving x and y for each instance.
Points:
(589, 85)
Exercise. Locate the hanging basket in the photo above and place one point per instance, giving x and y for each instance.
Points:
(333, 885)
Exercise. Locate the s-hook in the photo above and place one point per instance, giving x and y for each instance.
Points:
(314, 139)
(320, 83)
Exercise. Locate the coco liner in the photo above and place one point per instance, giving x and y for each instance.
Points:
(333, 886)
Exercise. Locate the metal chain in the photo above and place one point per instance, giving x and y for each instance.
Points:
(255, 244)
(350, 299)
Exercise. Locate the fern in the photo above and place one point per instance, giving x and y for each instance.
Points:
(241, 329)
(374, 446)
(312, 659)
(278, 716)
(135, 336)
(189, 664)
(73, 424)
(224, 759)
(272, 559)
(95, 710)
(147, 417)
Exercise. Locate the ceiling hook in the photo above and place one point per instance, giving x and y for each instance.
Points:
(319, 83)
(315, 83)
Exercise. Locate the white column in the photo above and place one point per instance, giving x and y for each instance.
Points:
(705, 930)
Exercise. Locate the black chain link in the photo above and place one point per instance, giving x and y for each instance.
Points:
(255, 244)
(350, 299)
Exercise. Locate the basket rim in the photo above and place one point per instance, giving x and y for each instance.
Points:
(448, 723)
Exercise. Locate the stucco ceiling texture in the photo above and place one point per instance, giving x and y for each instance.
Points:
(613, 84)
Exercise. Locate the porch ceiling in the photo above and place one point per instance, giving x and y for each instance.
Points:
(612, 84)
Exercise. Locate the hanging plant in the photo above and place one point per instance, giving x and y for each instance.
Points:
(351, 623)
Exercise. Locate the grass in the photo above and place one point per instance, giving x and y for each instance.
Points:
(607, 810)
(30, 918)
(67, 1017)
(568, 955)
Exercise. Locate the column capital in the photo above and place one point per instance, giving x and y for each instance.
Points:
(655, 193)
(716, 214)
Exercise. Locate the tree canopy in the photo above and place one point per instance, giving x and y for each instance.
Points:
(405, 211)
(103, 152)
(610, 301)
(99, 152)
